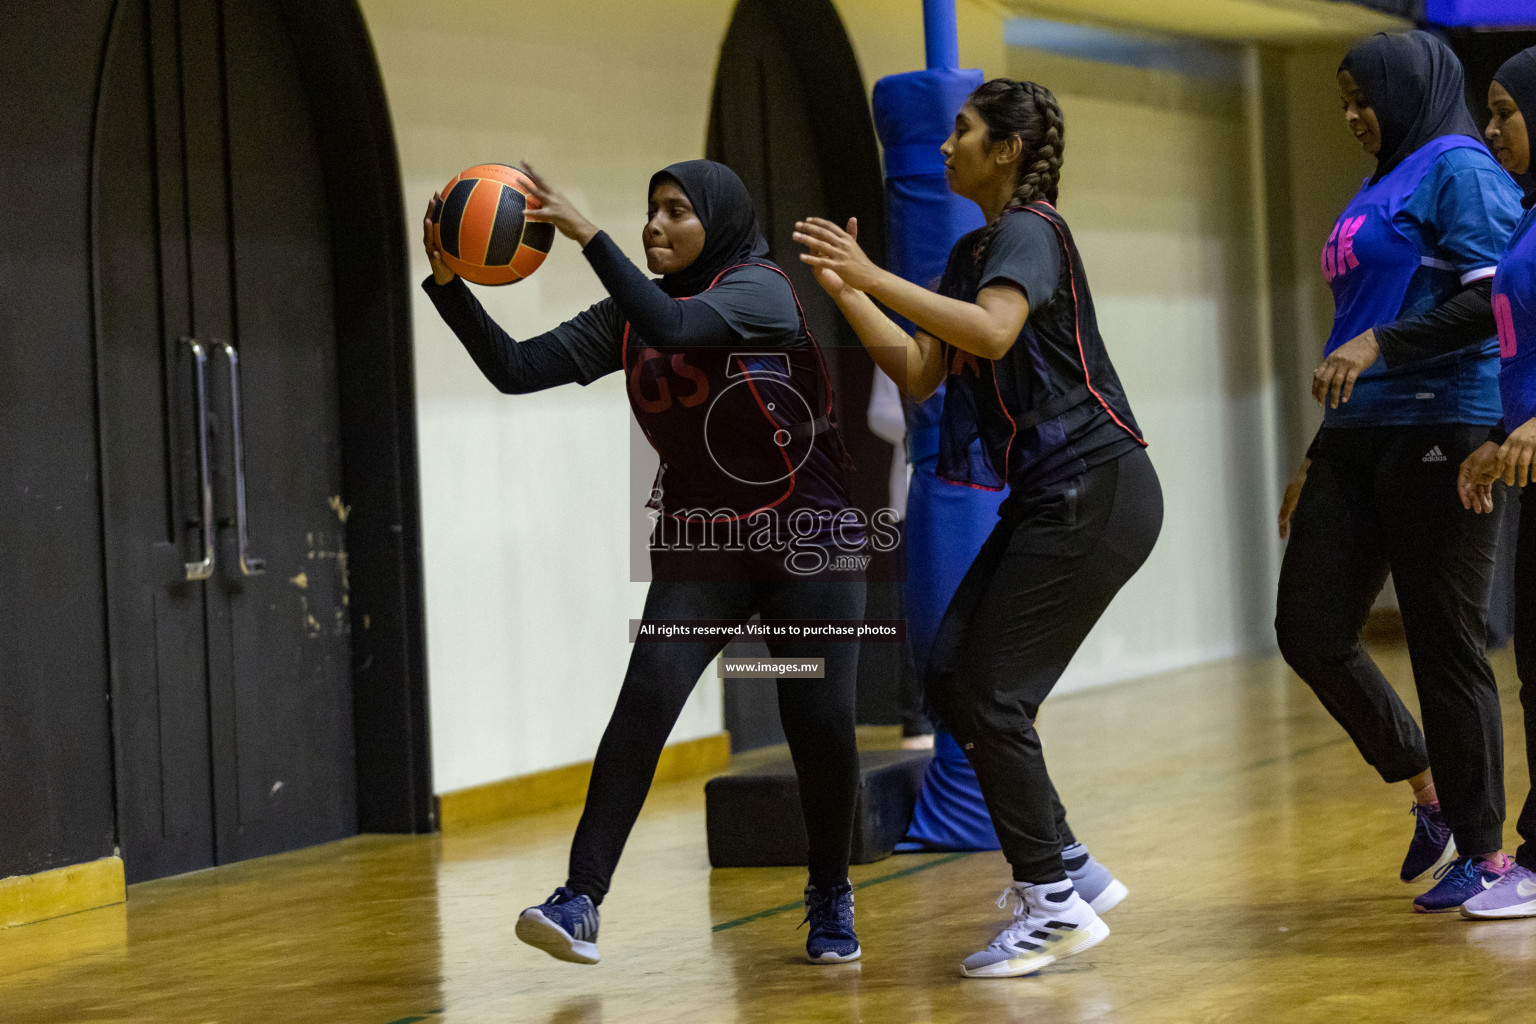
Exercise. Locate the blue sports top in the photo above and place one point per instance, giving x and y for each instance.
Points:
(1432, 225)
(1514, 310)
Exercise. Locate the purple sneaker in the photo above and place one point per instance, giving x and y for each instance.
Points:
(1432, 847)
(1460, 880)
(1514, 895)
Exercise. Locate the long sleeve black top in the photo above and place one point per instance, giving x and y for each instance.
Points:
(748, 305)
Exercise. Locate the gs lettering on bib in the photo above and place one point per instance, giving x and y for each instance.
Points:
(737, 431)
(657, 379)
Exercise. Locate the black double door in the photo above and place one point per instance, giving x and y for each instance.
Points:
(218, 406)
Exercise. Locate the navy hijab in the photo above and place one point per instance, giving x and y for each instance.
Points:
(1518, 77)
(1416, 87)
(724, 206)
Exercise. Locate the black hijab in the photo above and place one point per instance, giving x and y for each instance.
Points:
(724, 207)
(1518, 77)
(1417, 88)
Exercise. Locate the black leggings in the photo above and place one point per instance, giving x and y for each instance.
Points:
(1056, 558)
(1379, 499)
(817, 714)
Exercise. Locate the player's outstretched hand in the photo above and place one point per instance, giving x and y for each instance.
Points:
(831, 248)
(1334, 380)
(440, 272)
(548, 205)
(1474, 481)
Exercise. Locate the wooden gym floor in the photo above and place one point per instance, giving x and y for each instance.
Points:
(1260, 852)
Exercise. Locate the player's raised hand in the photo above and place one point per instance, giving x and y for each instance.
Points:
(548, 205)
(829, 247)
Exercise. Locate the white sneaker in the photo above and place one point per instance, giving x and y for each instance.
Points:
(1050, 922)
(1093, 881)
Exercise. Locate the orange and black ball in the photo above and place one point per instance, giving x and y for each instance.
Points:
(481, 231)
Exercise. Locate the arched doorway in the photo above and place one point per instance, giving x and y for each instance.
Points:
(245, 602)
(791, 116)
(261, 572)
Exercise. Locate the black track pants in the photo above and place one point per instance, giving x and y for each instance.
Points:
(817, 714)
(1379, 499)
(1052, 564)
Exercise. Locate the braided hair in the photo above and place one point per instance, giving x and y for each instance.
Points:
(1029, 111)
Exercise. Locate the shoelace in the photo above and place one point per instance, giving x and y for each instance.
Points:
(1421, 815)
(1021, 927)
(1460, 863)
(817, 903)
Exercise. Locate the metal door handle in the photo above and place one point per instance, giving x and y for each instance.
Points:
(202, 570)
(249, 565)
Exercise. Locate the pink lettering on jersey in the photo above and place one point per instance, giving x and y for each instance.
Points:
(1504, 317)
(1347, 245)
(1339, 251)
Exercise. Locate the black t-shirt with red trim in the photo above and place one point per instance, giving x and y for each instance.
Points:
(1053, 405)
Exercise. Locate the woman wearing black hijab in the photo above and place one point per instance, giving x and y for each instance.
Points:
(1509, 456)
(727, 383)
(1409, 388)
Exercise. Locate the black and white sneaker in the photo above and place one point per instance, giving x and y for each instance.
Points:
(1050, 922)
(564, 926)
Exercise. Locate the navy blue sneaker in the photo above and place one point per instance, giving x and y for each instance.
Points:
(1460, 880)
(1432, 847)
(564, 926)
(830, 914)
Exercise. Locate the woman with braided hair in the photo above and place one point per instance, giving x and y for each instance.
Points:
(1033, 402)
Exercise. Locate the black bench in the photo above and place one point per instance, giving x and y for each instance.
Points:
(753, 815)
